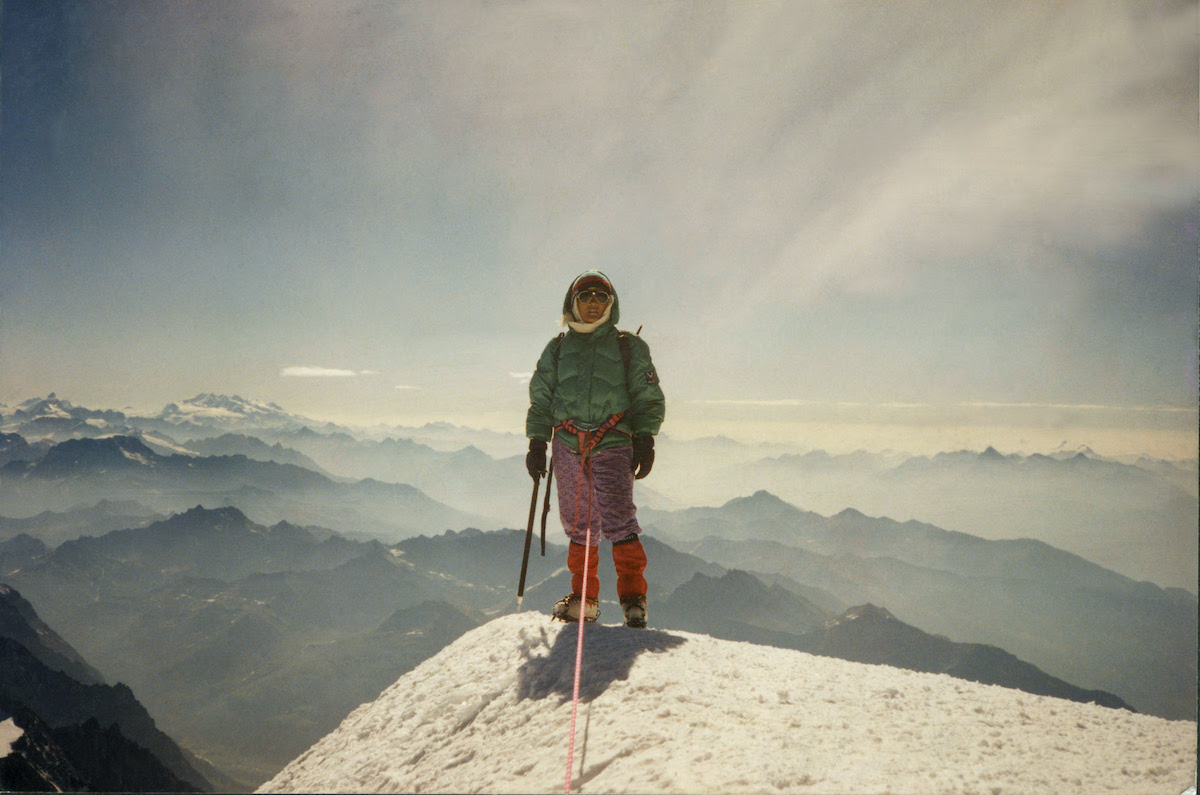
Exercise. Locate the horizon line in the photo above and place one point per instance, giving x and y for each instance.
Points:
(798, 403)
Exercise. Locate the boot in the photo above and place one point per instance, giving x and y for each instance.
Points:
(635, 611)
(629, 559)
(567, 609)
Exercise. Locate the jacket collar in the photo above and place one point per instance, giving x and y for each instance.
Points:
(586, 328)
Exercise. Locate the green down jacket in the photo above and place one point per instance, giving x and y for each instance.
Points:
(582, 377)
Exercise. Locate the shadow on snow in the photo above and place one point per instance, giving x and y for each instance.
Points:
(609, 652)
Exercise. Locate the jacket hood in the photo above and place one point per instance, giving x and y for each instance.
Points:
(614, 314)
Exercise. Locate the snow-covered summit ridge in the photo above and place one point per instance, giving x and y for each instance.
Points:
(50, 406)
(208, 406)
(54, 408)
(682, 712)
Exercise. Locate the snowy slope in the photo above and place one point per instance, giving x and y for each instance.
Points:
(224, 410)
(10, 732)
(680, 712)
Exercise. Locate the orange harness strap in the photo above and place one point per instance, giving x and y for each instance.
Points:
(588, 439)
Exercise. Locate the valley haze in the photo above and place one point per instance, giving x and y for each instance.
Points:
(1141, 521)
(235, 563)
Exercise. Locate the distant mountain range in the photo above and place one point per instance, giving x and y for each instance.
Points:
(247, 642)
(749, 610)
(122, 468)
(1069, 616)
(207, 415)
(130, 537)
(250, 642)
(53, 528)
(57, 418)
(871, 634)
(1137, 516)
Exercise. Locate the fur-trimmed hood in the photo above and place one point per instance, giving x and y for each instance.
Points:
(613, 311)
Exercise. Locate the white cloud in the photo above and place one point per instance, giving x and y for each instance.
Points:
(322, 372)
(524, 378)
(406, 387)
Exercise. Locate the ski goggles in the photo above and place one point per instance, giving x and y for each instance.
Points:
(599, 296)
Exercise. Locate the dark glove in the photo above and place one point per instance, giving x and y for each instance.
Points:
(643, 456)
(535, 459)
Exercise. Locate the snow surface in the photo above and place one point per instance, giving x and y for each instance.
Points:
(137, 457)
(681, 712)
(222, 408)
(158, 442)
(10, 732)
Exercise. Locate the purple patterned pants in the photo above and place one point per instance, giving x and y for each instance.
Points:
(606, 496)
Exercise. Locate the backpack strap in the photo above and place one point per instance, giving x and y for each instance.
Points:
(626, 355)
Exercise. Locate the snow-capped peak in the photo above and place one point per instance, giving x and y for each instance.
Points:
(682, 712)
(235, 410)
(49, 406)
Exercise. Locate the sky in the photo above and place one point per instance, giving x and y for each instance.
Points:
(837, 224)
(683, 712)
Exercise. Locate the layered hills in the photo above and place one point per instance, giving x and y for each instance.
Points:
(70, 731)
(253, 577)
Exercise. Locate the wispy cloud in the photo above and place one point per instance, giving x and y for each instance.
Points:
(323, 372)
(524, 378)
(797, 403)
(406, 387)
(1082, 407)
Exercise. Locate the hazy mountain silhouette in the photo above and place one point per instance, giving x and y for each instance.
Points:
(104, 734)
(871, 634)
(250, 641)
(123, 468)
(20, 623)
(14, 447)
(1069, 617)
(56, 419)
(466, 478)
(1136, 518)
(247, 641)
(229, 444)
(53, 527)
(738, 606)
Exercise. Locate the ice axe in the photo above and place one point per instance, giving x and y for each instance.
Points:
(546, 504)
(529, 530)
(525, 559)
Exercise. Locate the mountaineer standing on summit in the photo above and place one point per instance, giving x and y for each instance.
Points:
(595, 396)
